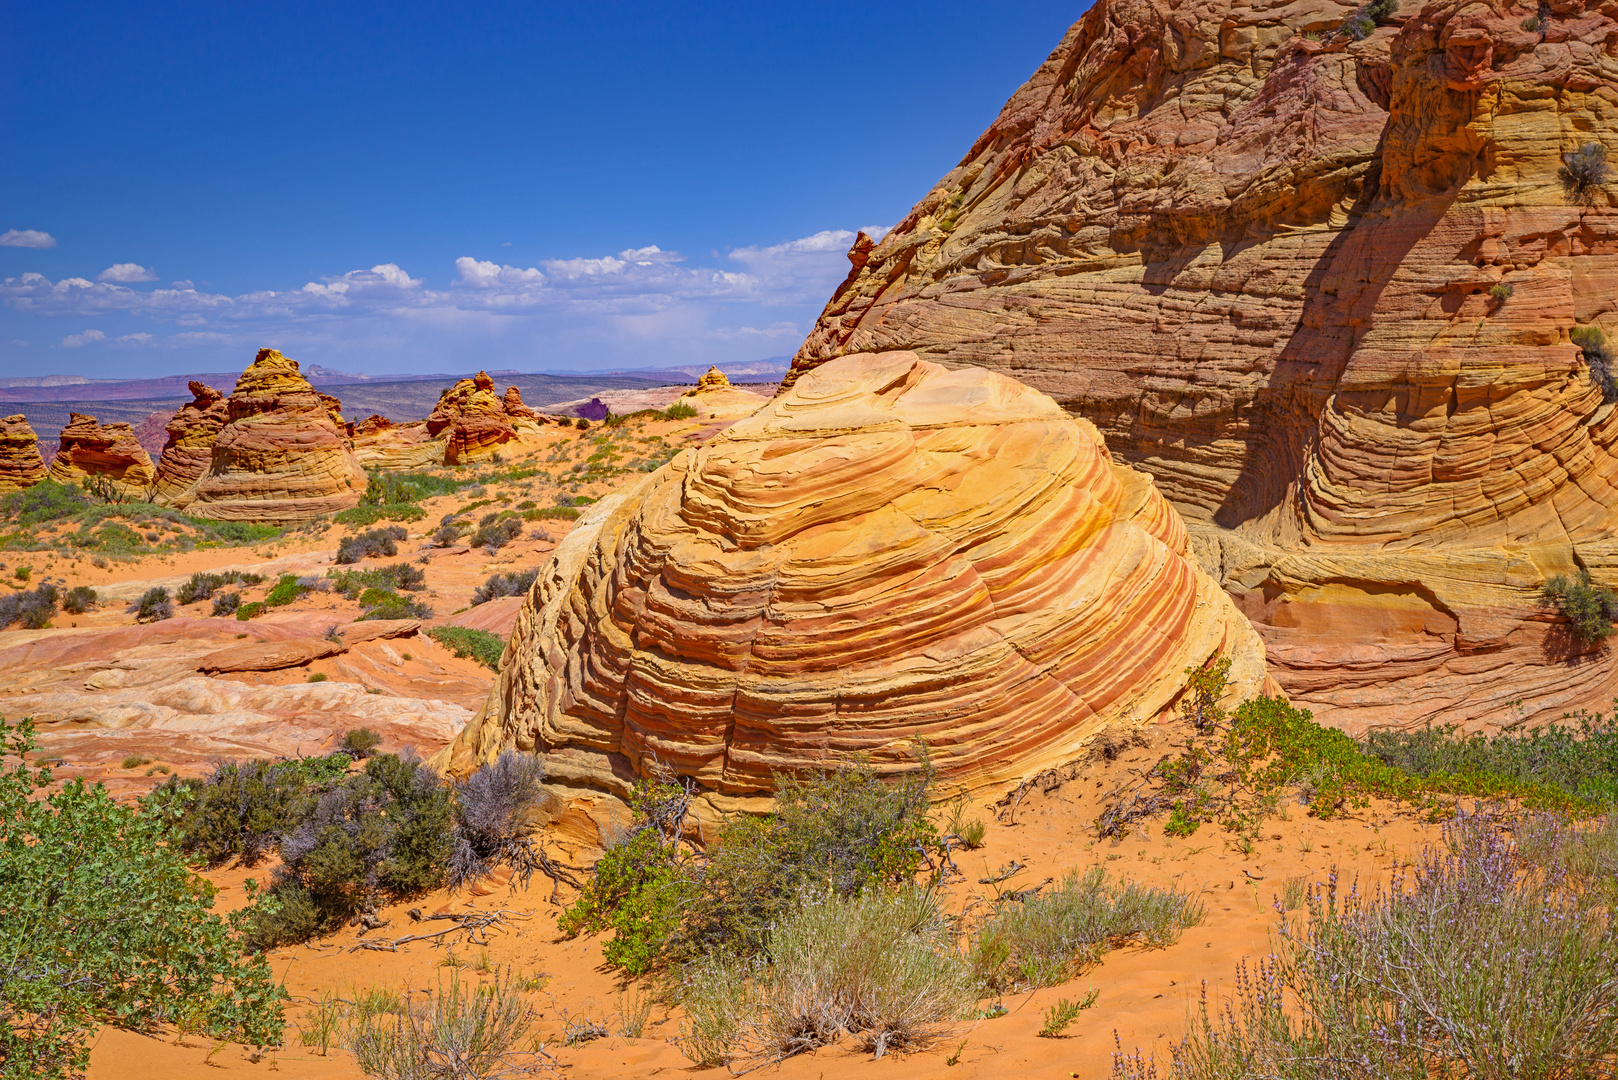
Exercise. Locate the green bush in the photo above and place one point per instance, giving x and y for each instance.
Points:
(386, 604)
(1589, 608)
(352, 583)
(32, 609)
(1501, 291)
(454, 1033)
(551, 513)
(285, 591)
(237, 533)
(370, 515)
(1598, 358)
(228, 604)
(101, 921)
(237, 814)
(361, 743)
(1579, 758)
(79, 599)
(479, 645)
(394, 489)
(510, 583)
(494, 535)
(377, 543)
(1584, 170)
(154, 605)
(202, 586)
(253, 610)
(680, 410)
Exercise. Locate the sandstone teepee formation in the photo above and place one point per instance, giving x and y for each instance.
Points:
(475, 422)
(889, 552)
(21, 465)
(1322, 290)
(188, 451)
(103, 454)
(280, 454)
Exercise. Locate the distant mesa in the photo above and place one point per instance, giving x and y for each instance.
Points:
(107, 454)
(188, 449)
(21, 465)
(890, 552)
(281, 454)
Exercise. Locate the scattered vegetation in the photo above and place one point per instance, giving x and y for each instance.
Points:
(1583, 171)
(353, 583)
(154, 605)
(285, 591)
(479, 645)
(72, 521)
(244, 612)
(102, 922)
(1593, 344)
(1589, 608)
(1063, 1013)
(495, 532)
(510, 583)
(1489, 959)
(386, 604)
(203, 586)
(456, 1032)
(679, 410)
(31, 609)
(375, 544)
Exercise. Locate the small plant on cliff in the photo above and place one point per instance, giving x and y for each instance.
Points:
(1501, 291)
(1593, 343)
(1533, 24)
(102, 922)
(1589, 608)
(1583, 171)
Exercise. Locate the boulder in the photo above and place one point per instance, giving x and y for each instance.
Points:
(1322, 291)
(890, 552)
(281, 455)
(20, 463)
(107, 455)
(268, 655)
(188, 450)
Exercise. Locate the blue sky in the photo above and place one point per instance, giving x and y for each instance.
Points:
(419, 187)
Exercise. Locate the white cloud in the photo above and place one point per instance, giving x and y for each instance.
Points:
(27, 238)
(142, 338)
(877, 232)
(126, 273)
(484, 275)
(88, 337)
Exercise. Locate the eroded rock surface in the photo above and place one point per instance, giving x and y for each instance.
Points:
(474, 421)
(889, 552)
(281, 454)
(21, 465)
(106, 454)
(379, 443)
(188, 450)
(1321, 290)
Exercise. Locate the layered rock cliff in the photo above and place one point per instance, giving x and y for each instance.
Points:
(1321, 289)
(107, 454)
(889, 552)
(281, 454)
(21, 465)
(188, 450)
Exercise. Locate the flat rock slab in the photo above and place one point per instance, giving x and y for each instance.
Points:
(268, 655)
(372, 629)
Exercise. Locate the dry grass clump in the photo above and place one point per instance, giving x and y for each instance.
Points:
(1489, 960)
(459, 1032)
(881, 967)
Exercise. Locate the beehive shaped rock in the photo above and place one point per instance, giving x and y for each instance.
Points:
(890, 552)
(472, 419)
(1321, 290)
(103, 454)
(188, 449)
(712, 380)
(513, 406)
(21, 465)
(280, 456)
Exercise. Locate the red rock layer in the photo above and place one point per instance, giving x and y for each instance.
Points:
(889, 552)
(188, 450)
(103, 453)
(1322, 291)
(20, 463)
(281, 455)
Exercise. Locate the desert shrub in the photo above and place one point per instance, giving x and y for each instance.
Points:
(457, 1032)
(879, 967)
(78, 600)
(381, 834)
(511, 583)
(841, 833)
(154, 605)
(202, 586)
(375, 544)
(234, 533)
(1501, 291)
(968, 830)
(494, 535)
(492, 812)
(352, 583)
(1047, 939)
(1472, 965)
(1580, 757)
(1533, 24)
(386, 604)
(1589, 608)
(101, 921)
(238, 812)
(285, 591)
(1583, 171)
(226, 604)
(680, 410)
(361, 743)
(447, 533)
(479, 645)
(392, 489)
(1598, 358)
(1584, 854)
(31, 609)
(370, 515)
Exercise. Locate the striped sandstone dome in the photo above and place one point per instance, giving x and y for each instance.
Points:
(891, 551)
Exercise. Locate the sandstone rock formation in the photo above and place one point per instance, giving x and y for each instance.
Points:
(890, 552)
(188, 450)
(280, 455)
(712, 380)
(379, 443)
(716, 399)
(20, 463)
(103, 454)
(1322, 291)
(475, 422)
